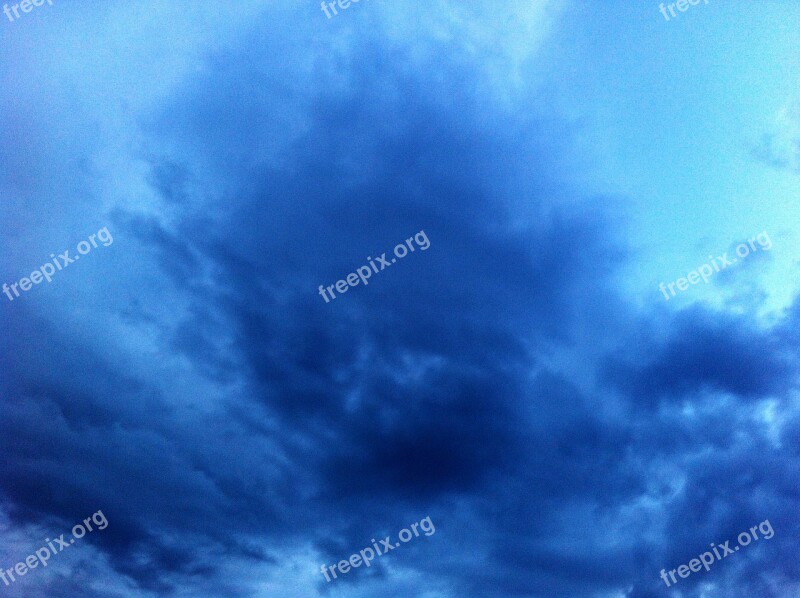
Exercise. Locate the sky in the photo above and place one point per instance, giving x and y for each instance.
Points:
(564, 359)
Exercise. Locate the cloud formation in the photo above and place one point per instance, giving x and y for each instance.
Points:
(238, 431)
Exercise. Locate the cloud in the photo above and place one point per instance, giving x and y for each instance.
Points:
(780, 147)
(238, 431)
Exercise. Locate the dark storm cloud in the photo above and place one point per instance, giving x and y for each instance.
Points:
(708, 351)
(446, 387)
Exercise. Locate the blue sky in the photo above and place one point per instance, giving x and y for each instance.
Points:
(523, 382)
